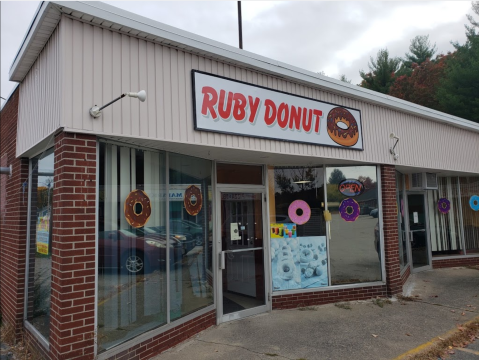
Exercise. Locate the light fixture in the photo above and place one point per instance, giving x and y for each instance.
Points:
(95, 111)
(393, 149)
(302, 181)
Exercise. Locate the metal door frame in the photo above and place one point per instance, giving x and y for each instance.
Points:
(426, 228)
(259, 189)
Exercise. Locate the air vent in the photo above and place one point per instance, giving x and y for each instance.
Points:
(423, 181)
(431, 181)
(416, 180)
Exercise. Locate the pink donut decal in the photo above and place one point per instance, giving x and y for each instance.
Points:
(303, 208)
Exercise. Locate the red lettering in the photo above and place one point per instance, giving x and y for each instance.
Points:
(253, 109)
(295, 118)
(225, 113)
(318, 114)
(270, 112)
(283, 115)
(307, 124)
(210, 97)
(239, 110)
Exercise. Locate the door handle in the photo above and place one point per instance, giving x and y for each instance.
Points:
(221, 262)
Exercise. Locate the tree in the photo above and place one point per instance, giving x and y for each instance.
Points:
(458, 92)
(336, 176)
(382, 72)
(420, 87)
(345, 79)
(420, 49)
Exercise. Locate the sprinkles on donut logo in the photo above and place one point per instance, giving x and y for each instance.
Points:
(344, 137)
(349, 209)
(137, 208)
(193, 200)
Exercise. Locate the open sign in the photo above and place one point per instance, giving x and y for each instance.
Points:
(351, 187)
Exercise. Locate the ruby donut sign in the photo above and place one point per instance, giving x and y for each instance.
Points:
(234, 107)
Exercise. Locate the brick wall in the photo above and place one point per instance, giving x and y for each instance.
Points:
(445, 263)
(327, 297)
(13, 220)
(168, 339)
(405, 275)
(73, 248)
(390, 229)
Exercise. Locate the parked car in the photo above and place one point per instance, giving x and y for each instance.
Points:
(374, 213)
(136, 253)
(190, 233)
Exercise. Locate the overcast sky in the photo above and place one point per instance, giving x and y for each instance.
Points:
(334, 37)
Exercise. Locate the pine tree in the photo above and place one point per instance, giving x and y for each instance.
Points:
(382, 72)
(420, 49)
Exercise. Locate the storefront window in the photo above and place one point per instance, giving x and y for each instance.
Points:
(402, 237)
(354, 247)
(191, 221)
(40, 251)
(132, 244)
(445, 217)
(297, 228)
(469, 187)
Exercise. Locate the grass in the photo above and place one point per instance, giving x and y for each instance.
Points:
(343, 305)
(308, 308)
(381, 302)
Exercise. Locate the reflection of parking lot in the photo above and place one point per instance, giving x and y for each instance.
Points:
(129, 305)
(352, 251)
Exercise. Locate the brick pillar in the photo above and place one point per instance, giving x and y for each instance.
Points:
(13, 220)
(73, 248)
(390, 229)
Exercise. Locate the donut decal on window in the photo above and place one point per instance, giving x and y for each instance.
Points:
(444, 205)
(474, 202)
(193, 200)
(137, 208)
(299, 212)
(342, 127)
(349, 210)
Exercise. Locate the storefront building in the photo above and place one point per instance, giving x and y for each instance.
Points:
(240, 185)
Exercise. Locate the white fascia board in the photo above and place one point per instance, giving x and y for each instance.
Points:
(27, 41)
(241, 57)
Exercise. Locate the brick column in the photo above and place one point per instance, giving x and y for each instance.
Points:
(390, 229)
(13, 220)
(73, 248)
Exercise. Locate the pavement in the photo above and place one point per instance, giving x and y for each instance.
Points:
(443, 299)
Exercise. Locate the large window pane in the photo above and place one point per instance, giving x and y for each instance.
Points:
(354, 246)
(40, 252)
(470, 214)
(191, 221)
(132, 257)
(297, 228)
(445, 227)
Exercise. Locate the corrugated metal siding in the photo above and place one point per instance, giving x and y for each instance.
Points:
(39, 106)
(102, 64)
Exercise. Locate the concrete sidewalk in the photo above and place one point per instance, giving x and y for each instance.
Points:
(444, 298)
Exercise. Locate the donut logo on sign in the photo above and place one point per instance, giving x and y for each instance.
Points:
(137, 208)
(342, 127)
(474, 202)
(193, 200)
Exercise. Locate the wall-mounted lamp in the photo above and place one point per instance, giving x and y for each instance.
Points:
(6, 170)
(95, 111)
(393, 149)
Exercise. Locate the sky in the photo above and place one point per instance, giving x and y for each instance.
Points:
(333, 37)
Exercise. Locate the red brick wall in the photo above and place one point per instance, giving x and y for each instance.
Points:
(13, 220)
(37, 350)
(168, 339)
(327, 297)
(390, 229)
(405, 275)
(445, 263)
(73, 248)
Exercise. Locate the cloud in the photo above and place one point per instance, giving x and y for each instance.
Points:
(334, 37)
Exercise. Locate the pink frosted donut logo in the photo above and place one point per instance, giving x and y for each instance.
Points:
(299, 212)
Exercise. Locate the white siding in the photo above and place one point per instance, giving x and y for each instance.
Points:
(39, 105)
(100, 64)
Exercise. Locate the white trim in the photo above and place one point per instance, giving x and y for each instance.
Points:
(407, 266)
(330, 288)
(152, 333)
(97, 215)
(36, 334)
(455, 257)
(198, 44)
(27, 250)
(381, 223)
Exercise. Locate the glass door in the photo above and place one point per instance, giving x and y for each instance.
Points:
(418, 231)
(242, 264)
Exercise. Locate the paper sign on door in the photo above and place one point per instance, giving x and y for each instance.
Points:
(416, 219)
(234, 232)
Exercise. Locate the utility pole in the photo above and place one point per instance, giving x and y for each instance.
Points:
(240, 27)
